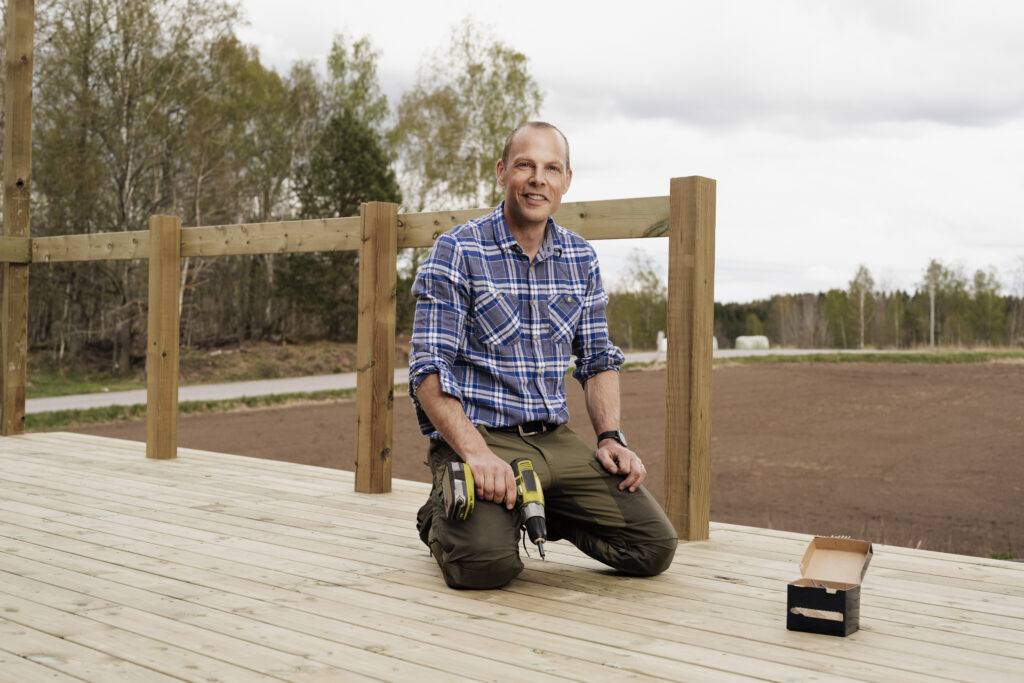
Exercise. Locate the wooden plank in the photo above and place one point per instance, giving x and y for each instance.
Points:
(331, 547)
(322, 234)
(690, 325)
(15, 249)
(155, 653)
(271, 543)
(375, 350)
(606, 219)
(16, 213)
(163, 338)
(97, 246)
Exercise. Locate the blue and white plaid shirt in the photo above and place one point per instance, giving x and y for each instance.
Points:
(499, 330)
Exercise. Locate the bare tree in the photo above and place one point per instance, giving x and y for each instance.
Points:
(861, 288)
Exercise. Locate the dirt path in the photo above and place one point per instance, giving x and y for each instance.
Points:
(928, 455)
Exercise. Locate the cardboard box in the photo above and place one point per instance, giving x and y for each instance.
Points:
(826, 599)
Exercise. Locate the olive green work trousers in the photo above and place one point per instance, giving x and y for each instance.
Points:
(583, 504)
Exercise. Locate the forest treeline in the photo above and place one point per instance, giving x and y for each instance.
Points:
(945, 309)
(146, 107)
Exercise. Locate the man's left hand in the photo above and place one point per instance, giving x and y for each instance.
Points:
(618, 459)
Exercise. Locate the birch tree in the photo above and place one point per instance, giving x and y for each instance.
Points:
(452, 124)
(862, 292)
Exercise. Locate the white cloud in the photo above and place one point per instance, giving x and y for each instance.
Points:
(876, 132)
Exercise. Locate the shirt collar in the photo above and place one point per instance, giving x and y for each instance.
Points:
(550, 247)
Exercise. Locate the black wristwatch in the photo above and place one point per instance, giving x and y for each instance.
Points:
(614, 434)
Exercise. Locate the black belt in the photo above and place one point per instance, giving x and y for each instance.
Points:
(528, 428)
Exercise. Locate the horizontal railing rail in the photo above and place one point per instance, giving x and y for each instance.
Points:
(685, 217)
(605, 219)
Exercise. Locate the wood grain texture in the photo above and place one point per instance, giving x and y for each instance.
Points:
(688, 359)
(606, 219)
(163, 337)
(15, 249)
(17, 148)
(375, 348)
(249, 569)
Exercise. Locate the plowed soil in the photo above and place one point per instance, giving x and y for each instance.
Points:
(918, 455)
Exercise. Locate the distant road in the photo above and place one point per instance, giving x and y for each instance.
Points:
(295, 385)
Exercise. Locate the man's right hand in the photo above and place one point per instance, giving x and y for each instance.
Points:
(493, 477)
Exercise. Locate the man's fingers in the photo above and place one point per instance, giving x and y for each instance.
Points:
(510, 490)
(496, 484)
(607, 461)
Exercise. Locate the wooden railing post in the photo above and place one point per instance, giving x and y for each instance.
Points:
(17, 185)
(375, 350)
(691, 321)
(163, 337)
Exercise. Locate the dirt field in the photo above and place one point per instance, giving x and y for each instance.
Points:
(919, 455)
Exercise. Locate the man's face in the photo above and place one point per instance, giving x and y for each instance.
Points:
(535, 178)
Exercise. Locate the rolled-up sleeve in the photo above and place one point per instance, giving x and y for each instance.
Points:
(591, 345)
(441, 291)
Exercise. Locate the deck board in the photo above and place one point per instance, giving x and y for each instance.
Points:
(219, 567)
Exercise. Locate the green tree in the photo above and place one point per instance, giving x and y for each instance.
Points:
(115, 78)
(949, 303)
(347, 167)
(638, 304)
(753, 326)
(352, 82)
(989, 308)
(452, 124)
(838, 317)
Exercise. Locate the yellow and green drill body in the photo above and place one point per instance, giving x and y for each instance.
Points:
(458, 492)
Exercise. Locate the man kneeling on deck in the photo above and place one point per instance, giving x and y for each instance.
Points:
(502, 303)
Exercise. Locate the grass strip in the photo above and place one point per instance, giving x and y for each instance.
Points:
(61, 419)
(933, 357)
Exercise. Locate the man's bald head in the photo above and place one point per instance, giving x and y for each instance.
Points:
(534, 124)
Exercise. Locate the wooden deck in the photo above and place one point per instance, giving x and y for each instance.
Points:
(217, 567)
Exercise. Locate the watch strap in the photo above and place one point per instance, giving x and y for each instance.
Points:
(613, 434)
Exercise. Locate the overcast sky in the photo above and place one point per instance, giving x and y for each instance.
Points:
(882, 133)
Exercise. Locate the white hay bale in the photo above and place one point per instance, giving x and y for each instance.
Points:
(752, 342)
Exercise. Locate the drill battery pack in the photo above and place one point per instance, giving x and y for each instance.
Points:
(458, 491)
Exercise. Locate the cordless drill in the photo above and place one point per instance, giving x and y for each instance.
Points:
(458, 495)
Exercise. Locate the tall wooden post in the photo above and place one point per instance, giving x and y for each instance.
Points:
(17, 186)
(691, 324)
(375, 350)
(163, 337)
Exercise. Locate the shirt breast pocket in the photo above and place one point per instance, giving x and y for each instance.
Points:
(564, 311)
(496, 319)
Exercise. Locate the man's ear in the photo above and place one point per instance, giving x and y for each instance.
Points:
(499, 171)
(568, 180)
